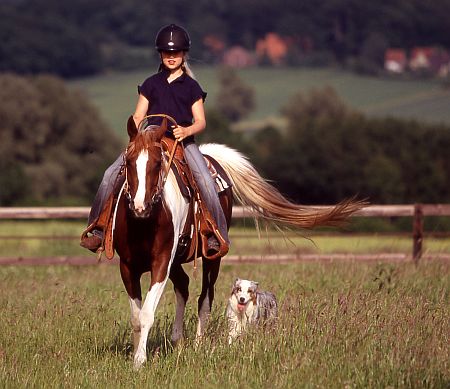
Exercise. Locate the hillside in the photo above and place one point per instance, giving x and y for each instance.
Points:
(115, 94)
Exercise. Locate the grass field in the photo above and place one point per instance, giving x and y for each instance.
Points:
(341, 325)
(115, 94)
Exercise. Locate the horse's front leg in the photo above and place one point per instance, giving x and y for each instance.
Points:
(180, 282)
(133, 287)
(147, 314)
(210, 273)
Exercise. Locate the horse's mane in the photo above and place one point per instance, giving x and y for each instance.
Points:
(142, 141)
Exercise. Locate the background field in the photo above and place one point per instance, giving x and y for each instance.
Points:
(115, 94)
(55, 238)
(341, 325)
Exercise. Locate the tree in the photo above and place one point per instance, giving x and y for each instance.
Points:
(53, 138)
(330, 152)
(235, 99)
(45, 44)
(218, 131)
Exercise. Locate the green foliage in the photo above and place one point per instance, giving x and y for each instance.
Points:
(45, 43)
(330, 152)
(218, 131)
(56, 139)
(13, 183)
(69, 38)
(235, 99)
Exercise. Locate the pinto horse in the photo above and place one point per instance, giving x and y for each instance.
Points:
(150, 217)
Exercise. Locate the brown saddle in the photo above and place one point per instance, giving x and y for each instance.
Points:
(199, 226)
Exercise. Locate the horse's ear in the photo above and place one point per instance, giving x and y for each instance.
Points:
(131, 128)
(164, 124)
(162, 129)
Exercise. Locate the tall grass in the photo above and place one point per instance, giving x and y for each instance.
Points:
(341, 325)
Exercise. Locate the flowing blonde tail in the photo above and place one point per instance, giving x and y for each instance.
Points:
(254, 192)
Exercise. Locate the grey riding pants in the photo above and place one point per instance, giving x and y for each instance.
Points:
(199, 169)
(206, 186)
(110, 181)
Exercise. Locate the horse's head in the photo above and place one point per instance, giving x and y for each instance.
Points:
(143, 159)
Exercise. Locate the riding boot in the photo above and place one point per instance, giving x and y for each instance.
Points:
(92, 242)
(111, 182)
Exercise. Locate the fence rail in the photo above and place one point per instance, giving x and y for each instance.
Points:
(238, 212)
(416, 211)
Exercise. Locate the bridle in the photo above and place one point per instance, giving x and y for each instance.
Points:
(163, 173)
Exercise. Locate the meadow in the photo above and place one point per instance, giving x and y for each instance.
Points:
(341, 325)
(115, 94)
(59, 238)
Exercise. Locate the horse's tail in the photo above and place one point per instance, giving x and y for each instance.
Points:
(254, 192)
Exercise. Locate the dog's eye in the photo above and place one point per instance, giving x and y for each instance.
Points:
(238, 289)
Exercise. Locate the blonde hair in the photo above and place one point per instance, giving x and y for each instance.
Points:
(185, 66)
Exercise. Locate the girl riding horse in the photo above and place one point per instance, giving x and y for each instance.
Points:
(172, 91)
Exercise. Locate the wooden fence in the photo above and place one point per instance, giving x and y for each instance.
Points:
(415, 211)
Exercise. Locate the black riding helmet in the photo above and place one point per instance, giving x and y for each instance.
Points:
(172, 38)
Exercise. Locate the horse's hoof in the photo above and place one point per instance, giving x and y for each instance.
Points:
(177, 342)
(139, 362)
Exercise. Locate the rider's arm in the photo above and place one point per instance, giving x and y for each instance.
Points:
(198, 113)
(141, 110)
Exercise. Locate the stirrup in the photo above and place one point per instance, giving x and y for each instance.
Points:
(222, 249)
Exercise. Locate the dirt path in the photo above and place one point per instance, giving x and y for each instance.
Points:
(234, 259)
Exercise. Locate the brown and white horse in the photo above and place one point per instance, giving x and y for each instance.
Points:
(150, 217)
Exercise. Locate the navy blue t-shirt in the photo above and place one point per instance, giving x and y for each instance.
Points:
(174, 99)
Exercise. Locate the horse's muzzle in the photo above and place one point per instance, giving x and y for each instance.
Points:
(140, 213)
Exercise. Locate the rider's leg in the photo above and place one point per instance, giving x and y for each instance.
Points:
(206, 186)
(109, 182)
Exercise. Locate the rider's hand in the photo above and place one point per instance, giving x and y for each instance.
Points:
(181, 133)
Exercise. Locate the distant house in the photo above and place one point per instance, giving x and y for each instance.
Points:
(272, 47)
(433, 59)
(214, 43)
(420, 58)
(238, 57)
(395, 60)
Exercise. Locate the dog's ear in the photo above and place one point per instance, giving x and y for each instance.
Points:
(254, 285)
(235, 283)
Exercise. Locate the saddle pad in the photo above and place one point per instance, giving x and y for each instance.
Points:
(218, 174)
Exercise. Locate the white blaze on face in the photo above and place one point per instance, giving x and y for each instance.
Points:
(141, 169)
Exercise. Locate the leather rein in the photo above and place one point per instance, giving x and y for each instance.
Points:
(163, 174)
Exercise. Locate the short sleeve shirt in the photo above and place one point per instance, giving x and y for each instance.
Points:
(174, 99)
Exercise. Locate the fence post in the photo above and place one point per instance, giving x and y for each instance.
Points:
(417, 232)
